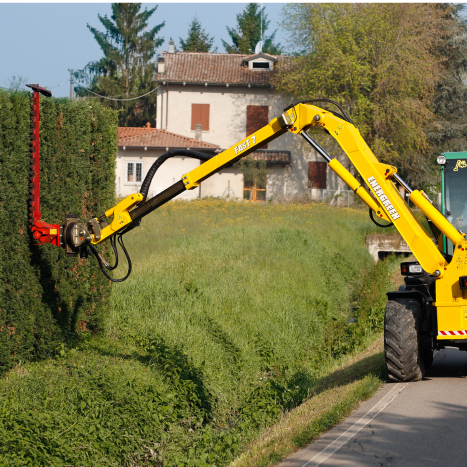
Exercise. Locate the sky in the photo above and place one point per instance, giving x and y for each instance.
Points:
(42, 41)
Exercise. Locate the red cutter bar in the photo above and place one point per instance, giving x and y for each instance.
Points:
(41, 231)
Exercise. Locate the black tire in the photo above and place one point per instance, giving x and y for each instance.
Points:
(427, 355)
(402, 352)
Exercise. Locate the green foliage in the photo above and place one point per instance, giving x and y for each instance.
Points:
(126, 69)
(46, 298)
(252, 170)
(248, 33)
(16, 83)
(179, 371)
(198, 40)
(382, 62)
(232, 317)
(449, 130)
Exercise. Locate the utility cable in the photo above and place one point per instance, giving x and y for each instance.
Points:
(113, 98)
(57, 85)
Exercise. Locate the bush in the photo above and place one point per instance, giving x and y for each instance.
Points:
(46, 298)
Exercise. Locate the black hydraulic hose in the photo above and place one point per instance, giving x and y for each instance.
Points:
(344, 115)
(160, 160)
(374, 221)
(103, 263)
(114, 247)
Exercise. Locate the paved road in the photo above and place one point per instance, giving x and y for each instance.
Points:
(413, 424)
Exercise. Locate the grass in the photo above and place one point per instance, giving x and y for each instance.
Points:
(235, 314)
(341, 393)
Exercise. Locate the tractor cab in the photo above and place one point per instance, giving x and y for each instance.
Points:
(454, 192)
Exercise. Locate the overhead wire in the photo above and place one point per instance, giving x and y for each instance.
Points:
(98, 95)
(57, 85)
(113, 98)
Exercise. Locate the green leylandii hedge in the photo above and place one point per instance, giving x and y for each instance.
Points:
(47, 299)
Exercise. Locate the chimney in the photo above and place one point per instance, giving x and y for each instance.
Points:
(161, 64)
(198, 131)
(171, 46)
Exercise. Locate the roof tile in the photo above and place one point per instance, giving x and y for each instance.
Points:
(271, 157)
(154, 138)
(212, 68)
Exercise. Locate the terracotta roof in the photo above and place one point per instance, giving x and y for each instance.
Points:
(212, 68)
(271, 157)
(153, 138)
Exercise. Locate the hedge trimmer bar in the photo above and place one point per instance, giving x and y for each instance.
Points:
(75, 237)
(41, 231)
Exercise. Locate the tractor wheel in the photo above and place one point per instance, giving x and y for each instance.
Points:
(427, 355)
(402, 353)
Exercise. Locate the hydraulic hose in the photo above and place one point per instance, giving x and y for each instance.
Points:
(344, 115)
(160, 160)
(103, 263)
(376, 223)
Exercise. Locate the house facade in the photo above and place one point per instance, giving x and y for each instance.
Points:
(209, 102)
(139, 148)
(220, 99)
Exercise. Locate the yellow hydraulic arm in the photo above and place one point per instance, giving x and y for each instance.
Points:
(386, 202)
(385, 199)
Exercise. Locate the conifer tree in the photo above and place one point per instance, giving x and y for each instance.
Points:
(248, 33)
(126, 70)
(198, 39)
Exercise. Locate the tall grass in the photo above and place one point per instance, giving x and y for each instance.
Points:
(231, 316)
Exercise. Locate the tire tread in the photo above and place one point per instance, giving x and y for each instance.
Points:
(401, 342)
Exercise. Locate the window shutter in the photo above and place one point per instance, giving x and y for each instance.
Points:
(256, 118)
(200, 114)
(317, 174)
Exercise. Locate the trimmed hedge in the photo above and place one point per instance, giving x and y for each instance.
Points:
(47, 299)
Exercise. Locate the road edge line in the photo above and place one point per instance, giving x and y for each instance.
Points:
(333, 447)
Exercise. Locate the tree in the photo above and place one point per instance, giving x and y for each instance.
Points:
(449, 131)
(253, 171)
(198, 39)
(248, 33)
(382, 62)
(16, 83)
(126, 69)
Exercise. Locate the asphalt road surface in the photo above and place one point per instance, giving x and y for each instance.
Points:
(405, 424)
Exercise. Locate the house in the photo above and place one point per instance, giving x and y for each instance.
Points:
(221, 98)
(138, 149)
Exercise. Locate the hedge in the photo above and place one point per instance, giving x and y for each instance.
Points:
(47, 299)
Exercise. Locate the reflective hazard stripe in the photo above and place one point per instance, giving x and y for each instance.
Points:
(452, 333)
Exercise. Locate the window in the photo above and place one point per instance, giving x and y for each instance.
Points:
(317, 174)
(254, 191)
(134, 172)
(200, 114)
(260, 66)
(256, 118)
